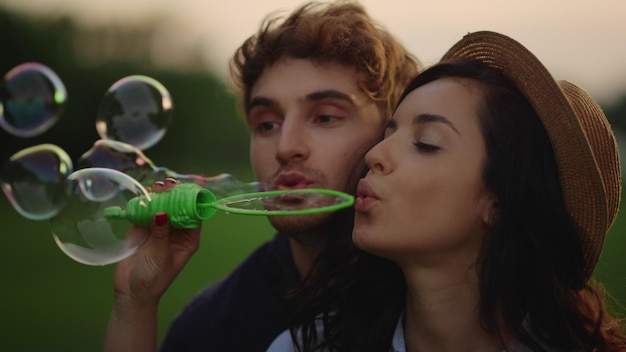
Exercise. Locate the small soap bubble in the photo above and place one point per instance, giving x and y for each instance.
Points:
(135, 110)
(225, 185)
(107, 153)
(32, 99)
(34, 179)
(82, 229)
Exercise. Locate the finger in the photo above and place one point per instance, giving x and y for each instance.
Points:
(136, 235)
(161, 228)
(187, 243)
(158, 186)
(170, 183)
(199, 181)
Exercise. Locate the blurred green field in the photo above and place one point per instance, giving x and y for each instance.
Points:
(51, 303)
(611, 270)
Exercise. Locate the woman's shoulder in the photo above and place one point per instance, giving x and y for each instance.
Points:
(285, 343)
(282, 343)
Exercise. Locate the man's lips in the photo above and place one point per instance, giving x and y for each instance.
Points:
(291, 180)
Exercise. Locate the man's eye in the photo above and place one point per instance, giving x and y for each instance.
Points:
(266, 126)
(327, 118)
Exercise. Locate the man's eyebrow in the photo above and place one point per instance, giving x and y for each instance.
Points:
(424, 118)
(260, 101)
(315, 96)
(329, 94)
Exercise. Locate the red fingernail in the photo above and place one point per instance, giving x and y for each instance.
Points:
(158, 184)
(160, 219)
(170, 181)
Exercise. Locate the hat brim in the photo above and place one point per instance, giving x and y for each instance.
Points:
(581, 181)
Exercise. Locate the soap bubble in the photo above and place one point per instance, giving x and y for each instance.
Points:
(83, 231)
(31, 99)
(107, 153)
(136, 110)
(130, 160)
(34, 179)
(222, 185)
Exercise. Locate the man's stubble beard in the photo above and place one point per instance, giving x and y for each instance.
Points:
(293, 225)
(313, 230)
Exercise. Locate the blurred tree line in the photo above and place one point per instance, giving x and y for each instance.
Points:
(206, 136)
(206, 133)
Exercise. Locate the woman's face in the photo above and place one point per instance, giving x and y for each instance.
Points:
(423, 198)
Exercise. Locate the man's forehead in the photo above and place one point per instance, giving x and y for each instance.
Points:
(305, 76)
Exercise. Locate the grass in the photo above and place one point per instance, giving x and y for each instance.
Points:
(51, 303)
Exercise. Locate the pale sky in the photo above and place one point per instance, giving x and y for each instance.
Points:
(581, 41)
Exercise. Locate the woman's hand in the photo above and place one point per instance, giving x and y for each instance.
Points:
(142, 278)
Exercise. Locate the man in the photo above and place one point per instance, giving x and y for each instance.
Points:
(317, 88)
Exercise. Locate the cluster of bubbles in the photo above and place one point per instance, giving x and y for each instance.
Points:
(42, 183)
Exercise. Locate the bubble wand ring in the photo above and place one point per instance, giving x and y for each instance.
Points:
(348, 201)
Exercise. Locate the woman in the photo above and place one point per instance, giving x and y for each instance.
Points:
(492, 191)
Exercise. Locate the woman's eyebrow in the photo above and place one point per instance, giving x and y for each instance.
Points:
(425, 118)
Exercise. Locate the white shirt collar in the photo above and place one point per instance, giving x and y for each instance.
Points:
(397, 344)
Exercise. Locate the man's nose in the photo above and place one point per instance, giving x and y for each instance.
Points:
(292, 143)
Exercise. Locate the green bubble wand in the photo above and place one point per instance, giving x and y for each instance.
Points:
(102, 204)
(189, 204)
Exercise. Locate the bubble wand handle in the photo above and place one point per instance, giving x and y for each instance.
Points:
(185, 204)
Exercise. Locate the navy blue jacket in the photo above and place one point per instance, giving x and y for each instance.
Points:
(245, 311)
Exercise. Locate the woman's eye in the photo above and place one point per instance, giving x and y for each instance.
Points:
(425, 147)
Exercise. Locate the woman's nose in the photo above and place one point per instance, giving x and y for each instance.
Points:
(377, 158)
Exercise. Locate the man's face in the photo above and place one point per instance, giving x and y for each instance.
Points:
(310, 127)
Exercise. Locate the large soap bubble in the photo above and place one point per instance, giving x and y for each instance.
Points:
(31, 99)
(83, 231)
(34, 179)
(136, 110)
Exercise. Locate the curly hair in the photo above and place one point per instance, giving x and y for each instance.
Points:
(339, 32)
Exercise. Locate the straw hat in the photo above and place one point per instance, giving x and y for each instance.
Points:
(582, 139)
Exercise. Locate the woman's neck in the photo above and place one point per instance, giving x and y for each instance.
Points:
(442, 311)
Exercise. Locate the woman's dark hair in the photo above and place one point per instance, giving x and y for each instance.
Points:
(531, 262)
(358, 297)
